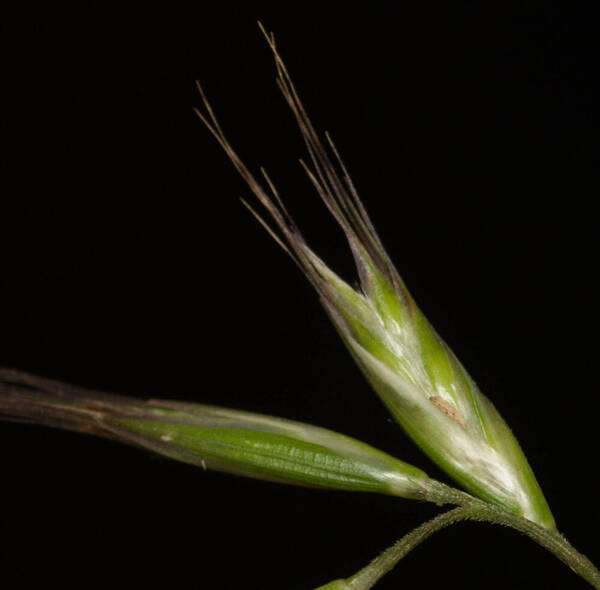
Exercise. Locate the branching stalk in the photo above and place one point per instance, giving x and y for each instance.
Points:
(472, 509)
(553, 541)
(410, 367)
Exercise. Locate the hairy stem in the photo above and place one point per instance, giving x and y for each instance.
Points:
(382, 564)
(551, 540)
(473, 509)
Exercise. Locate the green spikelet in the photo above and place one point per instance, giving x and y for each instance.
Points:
(415, 374)
(226, 440)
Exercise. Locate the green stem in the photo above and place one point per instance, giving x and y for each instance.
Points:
(382, 564)
(471, 509)
(551, 540)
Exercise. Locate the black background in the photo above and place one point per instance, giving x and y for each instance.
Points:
(129, 265)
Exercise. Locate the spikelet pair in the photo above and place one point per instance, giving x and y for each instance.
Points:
(413, 371)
